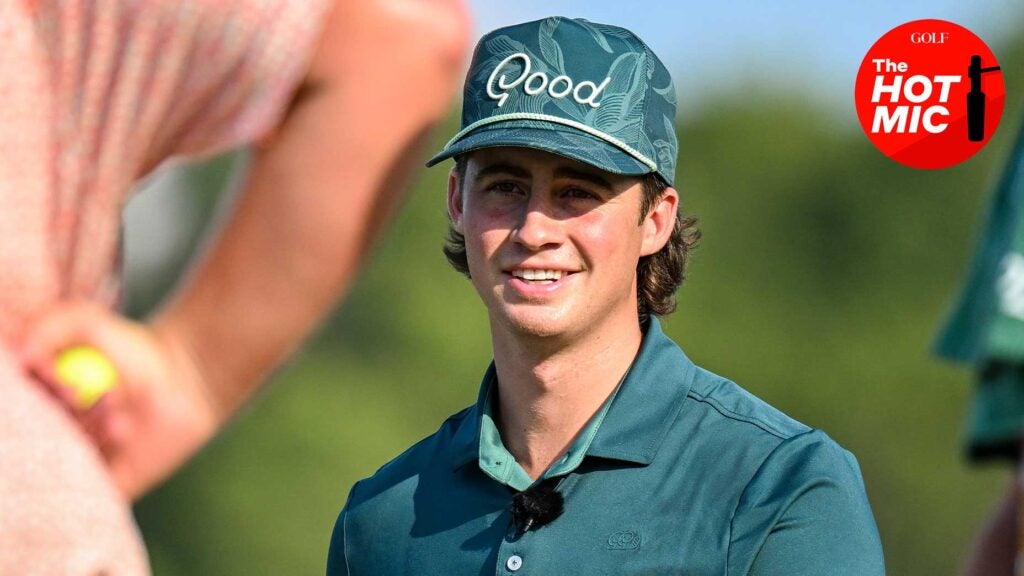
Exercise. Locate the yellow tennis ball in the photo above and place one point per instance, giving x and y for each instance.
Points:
(88, 372)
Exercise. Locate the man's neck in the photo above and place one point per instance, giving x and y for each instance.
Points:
(547, 391)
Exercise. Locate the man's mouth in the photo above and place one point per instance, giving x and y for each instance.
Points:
(536, 276)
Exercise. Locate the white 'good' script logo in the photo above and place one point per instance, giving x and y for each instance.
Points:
(557, 87)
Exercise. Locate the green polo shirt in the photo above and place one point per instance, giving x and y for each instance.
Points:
(680, 472)
(986, 327)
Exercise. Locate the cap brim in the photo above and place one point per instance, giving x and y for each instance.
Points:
(550, 137)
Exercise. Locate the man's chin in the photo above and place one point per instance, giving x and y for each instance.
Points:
(539, 322)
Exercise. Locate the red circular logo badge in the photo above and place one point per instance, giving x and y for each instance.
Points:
(929, 94)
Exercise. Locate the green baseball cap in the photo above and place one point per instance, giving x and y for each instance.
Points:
(591, 92)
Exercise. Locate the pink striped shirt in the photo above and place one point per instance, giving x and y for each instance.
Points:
(93, 95)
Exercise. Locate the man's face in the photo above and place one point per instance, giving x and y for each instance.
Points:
(553, 243)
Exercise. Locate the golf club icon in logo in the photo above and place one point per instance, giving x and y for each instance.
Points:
(976, 100)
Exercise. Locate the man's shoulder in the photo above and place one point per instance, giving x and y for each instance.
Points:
(740, 435)
(711, 408)
(740, 409)
(721, 413)
(403, 471)
(409, 495)
(774, 471)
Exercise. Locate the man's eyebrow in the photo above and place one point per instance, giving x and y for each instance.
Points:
(593, 178)
(501, 168)
(561, 172)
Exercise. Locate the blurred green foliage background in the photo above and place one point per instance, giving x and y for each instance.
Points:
(824, 272)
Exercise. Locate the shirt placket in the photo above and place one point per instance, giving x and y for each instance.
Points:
(513, 553)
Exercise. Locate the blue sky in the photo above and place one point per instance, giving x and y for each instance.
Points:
(815, 47)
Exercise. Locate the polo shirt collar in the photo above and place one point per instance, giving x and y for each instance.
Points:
(633, 423)
(466, 441)
(648, 401)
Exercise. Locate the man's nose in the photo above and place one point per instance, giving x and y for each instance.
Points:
(537, 227)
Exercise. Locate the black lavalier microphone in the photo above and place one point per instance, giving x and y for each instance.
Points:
(536, 506)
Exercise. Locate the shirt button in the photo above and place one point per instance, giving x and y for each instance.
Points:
(514, 563)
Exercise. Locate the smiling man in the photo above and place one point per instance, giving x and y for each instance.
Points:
(595, 445)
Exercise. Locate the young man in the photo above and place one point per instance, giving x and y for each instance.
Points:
(595, 446)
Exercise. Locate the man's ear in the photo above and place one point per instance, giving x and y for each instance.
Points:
(455, 200)
(660, 221)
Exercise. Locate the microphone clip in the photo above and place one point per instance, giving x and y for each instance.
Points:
(536, 506)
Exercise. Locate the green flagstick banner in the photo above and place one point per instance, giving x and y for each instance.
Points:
(988, 321)
(987, 326)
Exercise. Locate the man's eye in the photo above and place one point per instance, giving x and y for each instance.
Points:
(504, 188)
(579, 194)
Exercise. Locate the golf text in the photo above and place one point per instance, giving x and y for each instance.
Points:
(929, 37)
(925, 99)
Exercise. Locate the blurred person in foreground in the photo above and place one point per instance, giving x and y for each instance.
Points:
(595, 446)
(986, 330)
(337, 98)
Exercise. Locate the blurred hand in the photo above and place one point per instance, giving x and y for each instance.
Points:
(157, 416)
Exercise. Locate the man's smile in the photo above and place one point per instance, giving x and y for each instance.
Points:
(539, 275)
(533, 282)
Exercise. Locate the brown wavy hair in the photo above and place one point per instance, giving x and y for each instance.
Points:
(659, 275)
